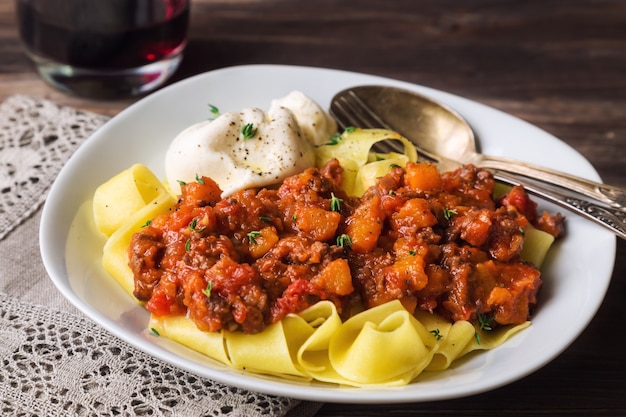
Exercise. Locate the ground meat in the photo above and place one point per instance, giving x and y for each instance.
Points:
(147, 250)
(435, 242)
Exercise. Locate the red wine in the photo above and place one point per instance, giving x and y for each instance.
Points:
(133, 39)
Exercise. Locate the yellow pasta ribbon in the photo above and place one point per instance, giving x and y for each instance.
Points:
(124, 195)
(313, 354)
(462, 337)
(184, 331)
(352, 150)
(372, 170)
(272, 351)
(486, 340)
(537, 243)
(453, 338)
(384, 345)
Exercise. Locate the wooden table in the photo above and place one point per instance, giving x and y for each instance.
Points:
(560, 65)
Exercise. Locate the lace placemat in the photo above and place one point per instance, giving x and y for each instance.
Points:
(58, 364)
(54, 361)
(36, 139)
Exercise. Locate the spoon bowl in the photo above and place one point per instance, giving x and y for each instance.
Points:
(436, 128)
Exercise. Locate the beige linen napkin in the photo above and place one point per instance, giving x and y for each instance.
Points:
(56, 362)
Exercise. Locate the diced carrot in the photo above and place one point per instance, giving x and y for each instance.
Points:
(365, 224)
(203, 192)
(335, 278)
(499, 295)
(261, 243)
(422, 176)
(414, 213)
(475, 226)
(319, 223)
(409, 271)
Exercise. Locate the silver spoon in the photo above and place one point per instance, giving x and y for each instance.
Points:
(443, 136)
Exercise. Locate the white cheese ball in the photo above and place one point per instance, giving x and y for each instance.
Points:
(218, 149)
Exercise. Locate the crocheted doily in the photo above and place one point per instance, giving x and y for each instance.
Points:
(58, 364)
(55, 362)
(36, 139)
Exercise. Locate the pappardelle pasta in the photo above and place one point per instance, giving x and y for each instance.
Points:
(366, 270)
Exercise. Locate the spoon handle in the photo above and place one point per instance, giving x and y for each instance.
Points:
(610, 195)
(609, 217)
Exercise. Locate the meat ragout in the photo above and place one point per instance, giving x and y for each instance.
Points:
(436, 242)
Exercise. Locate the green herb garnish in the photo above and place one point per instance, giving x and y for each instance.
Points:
(248, 131)
(344, 241)
(253, 235)
(194, 226)
(335, 202)
(214, 111)
(447, 213)
(334, 140)
(437, 334)
(207, 290)
(484, 322)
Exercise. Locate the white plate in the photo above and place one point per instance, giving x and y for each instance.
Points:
(576, 274)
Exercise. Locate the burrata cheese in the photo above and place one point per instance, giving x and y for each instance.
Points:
(240, 150)
(316, 124)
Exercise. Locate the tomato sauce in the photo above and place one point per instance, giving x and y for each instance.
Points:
(436, 242)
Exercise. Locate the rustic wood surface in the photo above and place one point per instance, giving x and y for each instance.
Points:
(560, 65)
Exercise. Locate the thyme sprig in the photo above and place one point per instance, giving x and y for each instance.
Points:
(484, 322)
(334, 139)
(193, 226)
(214, 111)
(437, 334)
(337, 138)
(208, 289)
(252, 236)
(335, 202)
(344, 241)
(248, 131)
(447, 213)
